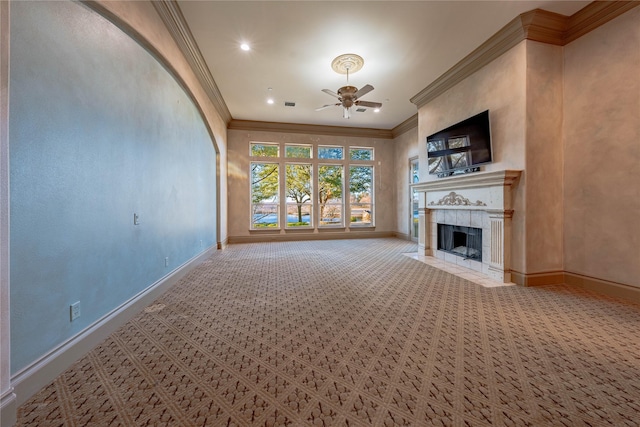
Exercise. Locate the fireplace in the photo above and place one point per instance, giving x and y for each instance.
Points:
(466, 220)
(462, 241)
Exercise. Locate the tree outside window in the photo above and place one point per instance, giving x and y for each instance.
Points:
(330, 195)
(265, 190)
(297, 180)
(360, 194)
(299, 195)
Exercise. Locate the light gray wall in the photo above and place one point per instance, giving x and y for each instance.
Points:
(602, 152)
(7, 397)
(99, 130)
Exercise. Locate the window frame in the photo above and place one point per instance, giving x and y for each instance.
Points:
(280, 203)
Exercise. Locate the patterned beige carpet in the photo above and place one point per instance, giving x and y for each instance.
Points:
(354, 333)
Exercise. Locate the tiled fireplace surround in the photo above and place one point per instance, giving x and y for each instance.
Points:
(480, 200)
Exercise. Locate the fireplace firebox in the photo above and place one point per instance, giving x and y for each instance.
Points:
(461, 241)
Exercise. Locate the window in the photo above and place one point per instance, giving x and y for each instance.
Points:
(299, 195)
(361, 153)
(330, 153)
(264, 149)
(361, 195)
(297, 151)
(414, 178)
(265, 189)
(291, 189)
(330, 190)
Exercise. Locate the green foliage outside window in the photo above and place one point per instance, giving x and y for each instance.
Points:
(361, 154)
(298, 186)
(329, 189)
(264, 150)
(360, 182)
(331, 153)
(297, 151)
(264, 194)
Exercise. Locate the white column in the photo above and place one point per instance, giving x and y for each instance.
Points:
(500, 234)
(422, 237)
(424, 226)
(428, 231)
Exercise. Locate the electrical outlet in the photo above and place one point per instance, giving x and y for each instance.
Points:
(166, 262)
(136, 219)
(74, 310)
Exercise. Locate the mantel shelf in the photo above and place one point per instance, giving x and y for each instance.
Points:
(472, 180)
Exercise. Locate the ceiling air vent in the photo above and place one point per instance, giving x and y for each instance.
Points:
(289, 104)
(361, 110)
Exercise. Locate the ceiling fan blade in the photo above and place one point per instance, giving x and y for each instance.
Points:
(363, 91)
(326, 106)
(330, 92)
(369, 104)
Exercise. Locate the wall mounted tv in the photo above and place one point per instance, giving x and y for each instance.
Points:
(460, 148)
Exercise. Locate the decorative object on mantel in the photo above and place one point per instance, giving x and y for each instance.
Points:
(455, 199)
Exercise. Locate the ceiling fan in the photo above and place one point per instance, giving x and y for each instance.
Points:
(349, 95)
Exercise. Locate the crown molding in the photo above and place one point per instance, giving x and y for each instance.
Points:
(542, 26)
(407, 125)
(509, 36)
(593, 16)
(537, 25)
(255, 126)
(174, 20)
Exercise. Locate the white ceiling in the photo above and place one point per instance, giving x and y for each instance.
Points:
(406, 45)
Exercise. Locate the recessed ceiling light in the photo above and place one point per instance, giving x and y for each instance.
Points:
(270, 101)
(377, 110)
(245, 46)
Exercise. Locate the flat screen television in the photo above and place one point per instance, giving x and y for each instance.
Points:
(460, 148)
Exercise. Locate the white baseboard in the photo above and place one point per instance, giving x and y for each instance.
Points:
(326, 234)
(8, 409)
(403, 236)
(34, 377)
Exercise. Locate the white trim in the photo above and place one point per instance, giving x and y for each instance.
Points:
(40, 373)
(8, 408)
(470, 180)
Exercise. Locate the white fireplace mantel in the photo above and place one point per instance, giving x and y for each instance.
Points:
(481, 200)
(481, 190)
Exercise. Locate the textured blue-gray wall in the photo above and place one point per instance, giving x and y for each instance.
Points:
(99, 130)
